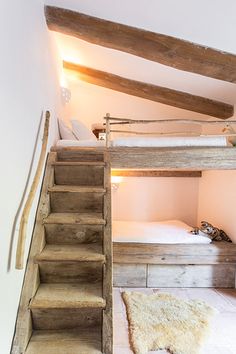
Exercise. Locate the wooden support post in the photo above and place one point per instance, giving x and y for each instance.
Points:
(107, 337)
(108, 130)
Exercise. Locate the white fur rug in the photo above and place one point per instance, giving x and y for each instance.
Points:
(162, 321)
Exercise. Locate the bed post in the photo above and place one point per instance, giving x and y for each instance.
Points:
(108, 131)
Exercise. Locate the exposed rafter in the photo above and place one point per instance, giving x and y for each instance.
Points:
(160, 48)
(152, 92)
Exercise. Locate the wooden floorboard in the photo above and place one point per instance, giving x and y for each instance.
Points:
(222, 339)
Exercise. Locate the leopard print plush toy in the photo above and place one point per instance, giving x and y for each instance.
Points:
(209, 230)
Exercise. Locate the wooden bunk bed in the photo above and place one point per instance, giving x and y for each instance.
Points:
(168, 265)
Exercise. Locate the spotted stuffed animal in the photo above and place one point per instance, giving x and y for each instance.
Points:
(212, 232)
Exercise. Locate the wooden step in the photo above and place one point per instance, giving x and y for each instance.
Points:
(75, 218)
(64, 253)
(77, 200)
(74, 341)
(77, 163)
(73, 234)
(82, 173)
(76, 189)
(71, 272)
(67, 305)
(68, 296)
(66, 318)
(81, 155)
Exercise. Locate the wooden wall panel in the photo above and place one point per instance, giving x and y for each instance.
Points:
(193, 276)
(129, 275)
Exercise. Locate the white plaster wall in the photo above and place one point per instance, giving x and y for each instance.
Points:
(156, 199)
(182, 19)
(217, 200)
(214, 26)
(90, 103)
(28, 86)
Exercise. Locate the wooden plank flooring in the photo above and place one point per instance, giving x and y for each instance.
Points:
(222, 339)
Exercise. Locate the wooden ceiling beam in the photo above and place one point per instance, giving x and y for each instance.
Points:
(152, 92)
(167, 50)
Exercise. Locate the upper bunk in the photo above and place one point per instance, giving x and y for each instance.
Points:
(151, 149)
(181, 158)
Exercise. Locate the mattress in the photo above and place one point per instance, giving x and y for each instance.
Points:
(141, 141)
(171, 232)
(170, 141)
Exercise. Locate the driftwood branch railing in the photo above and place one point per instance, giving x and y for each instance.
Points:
(26, 211)
(110, 121)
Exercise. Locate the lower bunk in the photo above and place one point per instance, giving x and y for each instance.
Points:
(174, 265)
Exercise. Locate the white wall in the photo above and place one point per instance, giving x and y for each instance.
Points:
(183, 19)
(29, 85)
(217, 200)
(156, 199)
(90, 103)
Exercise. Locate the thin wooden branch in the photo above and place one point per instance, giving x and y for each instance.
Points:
(181, 121)
(25, 214)
(153, 133)
(173, 133)
(157, 47)
(152, 92)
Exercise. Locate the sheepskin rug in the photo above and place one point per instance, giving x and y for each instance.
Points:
(162, 321)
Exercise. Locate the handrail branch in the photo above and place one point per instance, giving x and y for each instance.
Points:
(124, 121)
(26, 211)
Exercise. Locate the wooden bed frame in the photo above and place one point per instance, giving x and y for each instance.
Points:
(153, 265)
(174, 265)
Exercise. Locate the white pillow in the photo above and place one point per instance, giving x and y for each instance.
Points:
(81, 131)
(65, 132)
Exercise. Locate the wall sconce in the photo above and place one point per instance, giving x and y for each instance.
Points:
(65, 95)
(115, 182)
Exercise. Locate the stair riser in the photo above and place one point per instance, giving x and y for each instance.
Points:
(76, 202)
(80, 156)
(79, 175)
(73, 234)
(66, 318)
(74, 272)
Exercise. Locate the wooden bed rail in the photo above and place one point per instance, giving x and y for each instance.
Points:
(25, 214)
(124, 121)
(185, 121)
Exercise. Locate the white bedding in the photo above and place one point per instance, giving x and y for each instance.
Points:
(150, 142)
(171, 231)
(170, 141)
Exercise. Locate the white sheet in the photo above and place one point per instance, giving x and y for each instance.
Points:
(150, 142)
(170, 141)
(171, 231)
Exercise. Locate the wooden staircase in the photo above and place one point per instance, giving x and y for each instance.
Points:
(66, 302)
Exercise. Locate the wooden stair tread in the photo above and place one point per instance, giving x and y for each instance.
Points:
(75, 218)
(76, 189)
(74, 341)
(81, 252)
(78, 163)
(67, 295)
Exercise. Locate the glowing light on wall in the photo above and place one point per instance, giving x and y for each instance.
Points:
(115, 182)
